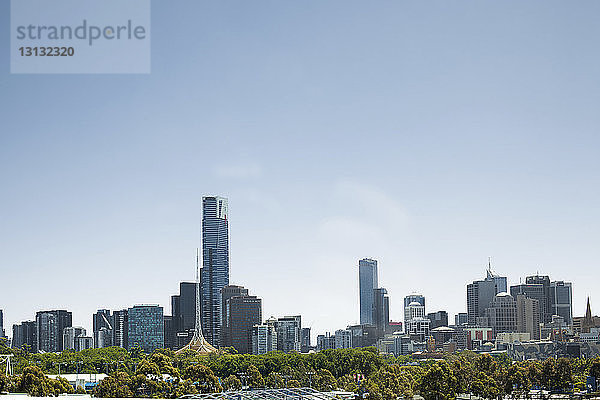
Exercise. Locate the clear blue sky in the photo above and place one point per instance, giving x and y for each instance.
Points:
(427, 135)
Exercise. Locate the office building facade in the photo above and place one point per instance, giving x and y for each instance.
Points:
(242, 314)
(381, 310)
(145, 327)
(305, 340)
(412, 298)
(227, 293)
(480, 295)
(70, 334)
(102, 326)
(215, 264)
(528, 316)
(561, 300)
(438, 319)
(502, 314)
(121, 328)
(368, 282)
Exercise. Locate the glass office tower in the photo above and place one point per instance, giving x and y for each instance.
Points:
(215, 264)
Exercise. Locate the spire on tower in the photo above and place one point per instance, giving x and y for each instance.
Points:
(198, 343)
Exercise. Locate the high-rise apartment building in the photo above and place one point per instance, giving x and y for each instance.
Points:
(325, 342)
(368, 282)
(528, 316)
(120, 329)
(25, 336)
(481, 293)
(264, 338)
(289, 333)
(49, 329)
(242, 314)
(215, 264)
(102, 326)
(343, 339)
(70, 333)
(145, 327)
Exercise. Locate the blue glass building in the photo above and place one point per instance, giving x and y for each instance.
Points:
(145, 327)
(215, 264)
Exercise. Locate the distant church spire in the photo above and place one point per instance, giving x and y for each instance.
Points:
(588, 311)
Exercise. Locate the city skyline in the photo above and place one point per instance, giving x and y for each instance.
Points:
(426, 136)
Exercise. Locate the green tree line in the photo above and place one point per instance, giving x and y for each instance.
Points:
(363, 371)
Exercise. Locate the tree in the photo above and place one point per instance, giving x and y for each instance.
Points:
(324, 380)
(485, 386)
(439, 382)
(148, 368)
(203, 377)
(232, 383)
(517, 380)
(117, 385)
(255, 379)
(35, 383)
(275, 381)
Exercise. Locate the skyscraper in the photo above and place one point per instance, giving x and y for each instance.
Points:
(412, 298)
(215, 264)
(481, 293)
(502, 314)
(528, 316)
(367, 281)
(381, 311)
(50, 326)
(70, 334)
(2, 333)
(227, 293)
(535, 291)
(264, 339)
(289, 332)
(102, 325)
(561, 300)
(24, 336)
(121, 329)
(305, 340)
(243, 313)
(145, 327)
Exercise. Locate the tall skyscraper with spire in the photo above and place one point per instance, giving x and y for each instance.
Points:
(215, 264)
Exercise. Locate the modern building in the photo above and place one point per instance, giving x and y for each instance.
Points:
(102, 325)
(49, 329)
(381, 310)
(343, 339)
(121, 329)
(170, 333)
(408, 300)
(183, 312)
(528, 316)
(537, 291)
(481, 293)
(418, 328)
(70, 333)
(228, 292)
(264, 339)
(325, 342)
(305, 346)
(502, 314)
(145, 327)
(215, 264)
(84, 343)
(561, 300)
(367, 282)
(25, 336)
(289, 333)
(363, 335)
(2, 332)
(461, 319)
(544, 297)
(242, 314)
(438, 319)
